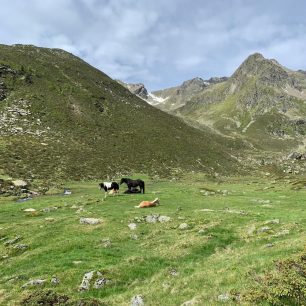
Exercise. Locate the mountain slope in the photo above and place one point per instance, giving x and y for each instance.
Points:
(262, 102)
(62, 118)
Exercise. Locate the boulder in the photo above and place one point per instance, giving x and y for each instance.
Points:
(20, 183)
(137, 300)
(183, 226)
(90, 221)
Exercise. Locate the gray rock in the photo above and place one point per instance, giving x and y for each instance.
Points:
(54, 281)
(12, 241)
(29, 210)
(263, 229)
(163, 219)
(282, 233)
(183, 226)
(152, 218)
(134, 237)
(100, 283)
(274, 221)
(20, 183)
(90, 221)
(21, 246)
(224, 297)
(132, 226)
(34, 282)
(137, 300)
(85, 285)
(192, 302)
(106, 242)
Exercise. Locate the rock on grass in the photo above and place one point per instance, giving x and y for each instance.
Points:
(90, 221)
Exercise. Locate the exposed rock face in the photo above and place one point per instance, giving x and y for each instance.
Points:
(137, 89)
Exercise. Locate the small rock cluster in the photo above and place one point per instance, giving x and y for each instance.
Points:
(94, 278)
(154, 218)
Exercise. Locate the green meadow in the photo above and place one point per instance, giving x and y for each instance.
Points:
(223, 238)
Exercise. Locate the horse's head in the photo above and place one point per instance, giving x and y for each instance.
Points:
(156, 201)
(101, 185)
(123, 180)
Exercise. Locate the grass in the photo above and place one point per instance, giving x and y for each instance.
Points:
(220, 252)
(82, 124)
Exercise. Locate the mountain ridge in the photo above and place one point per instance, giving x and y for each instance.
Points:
(62, 118)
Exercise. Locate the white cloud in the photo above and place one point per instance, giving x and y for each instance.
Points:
(161, 42)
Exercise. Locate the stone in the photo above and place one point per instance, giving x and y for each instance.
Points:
(263, 229)
(49, 209)
(34, 282)
(90, 221)
(223, 297)
(137, 300)
(20, 183)
(106, 242)
(29, 210)
(54, 281)
(192, 302)
(173, 272)
(12, 241)
(134, 237)
(152, 218)
(132, 226)
(282, 233)
(207, 210)
(183, 226)
(21, 246)
(274, 221)
(85, 285)
(49, 219)
(100, 283)
(164, 219)
(77, 262)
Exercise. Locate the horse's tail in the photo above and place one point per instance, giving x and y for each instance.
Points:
(137, 206)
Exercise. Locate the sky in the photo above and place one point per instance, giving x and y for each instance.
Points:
(161, 43)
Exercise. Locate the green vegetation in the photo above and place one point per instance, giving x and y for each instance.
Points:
(236, 230)
(63, 119)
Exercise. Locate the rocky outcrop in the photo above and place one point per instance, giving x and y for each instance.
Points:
(137, 89)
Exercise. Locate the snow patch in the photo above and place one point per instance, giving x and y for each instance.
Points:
(156, 99)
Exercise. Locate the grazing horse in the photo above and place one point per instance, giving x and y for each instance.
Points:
(133, 183)
(109, 186)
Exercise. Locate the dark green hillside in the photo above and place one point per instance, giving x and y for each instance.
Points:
(62, 118)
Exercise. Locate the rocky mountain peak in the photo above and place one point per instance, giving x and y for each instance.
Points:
(195, 83)
(137, 89)
(267, 71)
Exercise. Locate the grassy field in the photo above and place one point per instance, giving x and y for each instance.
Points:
(236, 229)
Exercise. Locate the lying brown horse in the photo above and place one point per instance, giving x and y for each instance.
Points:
(145, 204)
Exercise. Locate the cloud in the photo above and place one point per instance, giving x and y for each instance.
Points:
(161, 43)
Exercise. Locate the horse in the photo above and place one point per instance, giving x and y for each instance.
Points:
(145, 204)
(109, 186)
(133, 183)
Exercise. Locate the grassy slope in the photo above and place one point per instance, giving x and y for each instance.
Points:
(66, 94)
(224, 258)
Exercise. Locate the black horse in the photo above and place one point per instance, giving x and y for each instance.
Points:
(133, 183)
(109, 186)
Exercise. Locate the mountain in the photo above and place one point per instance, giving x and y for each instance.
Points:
(172, 98)
(262, 102)
(137, 89)
(61, 118)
